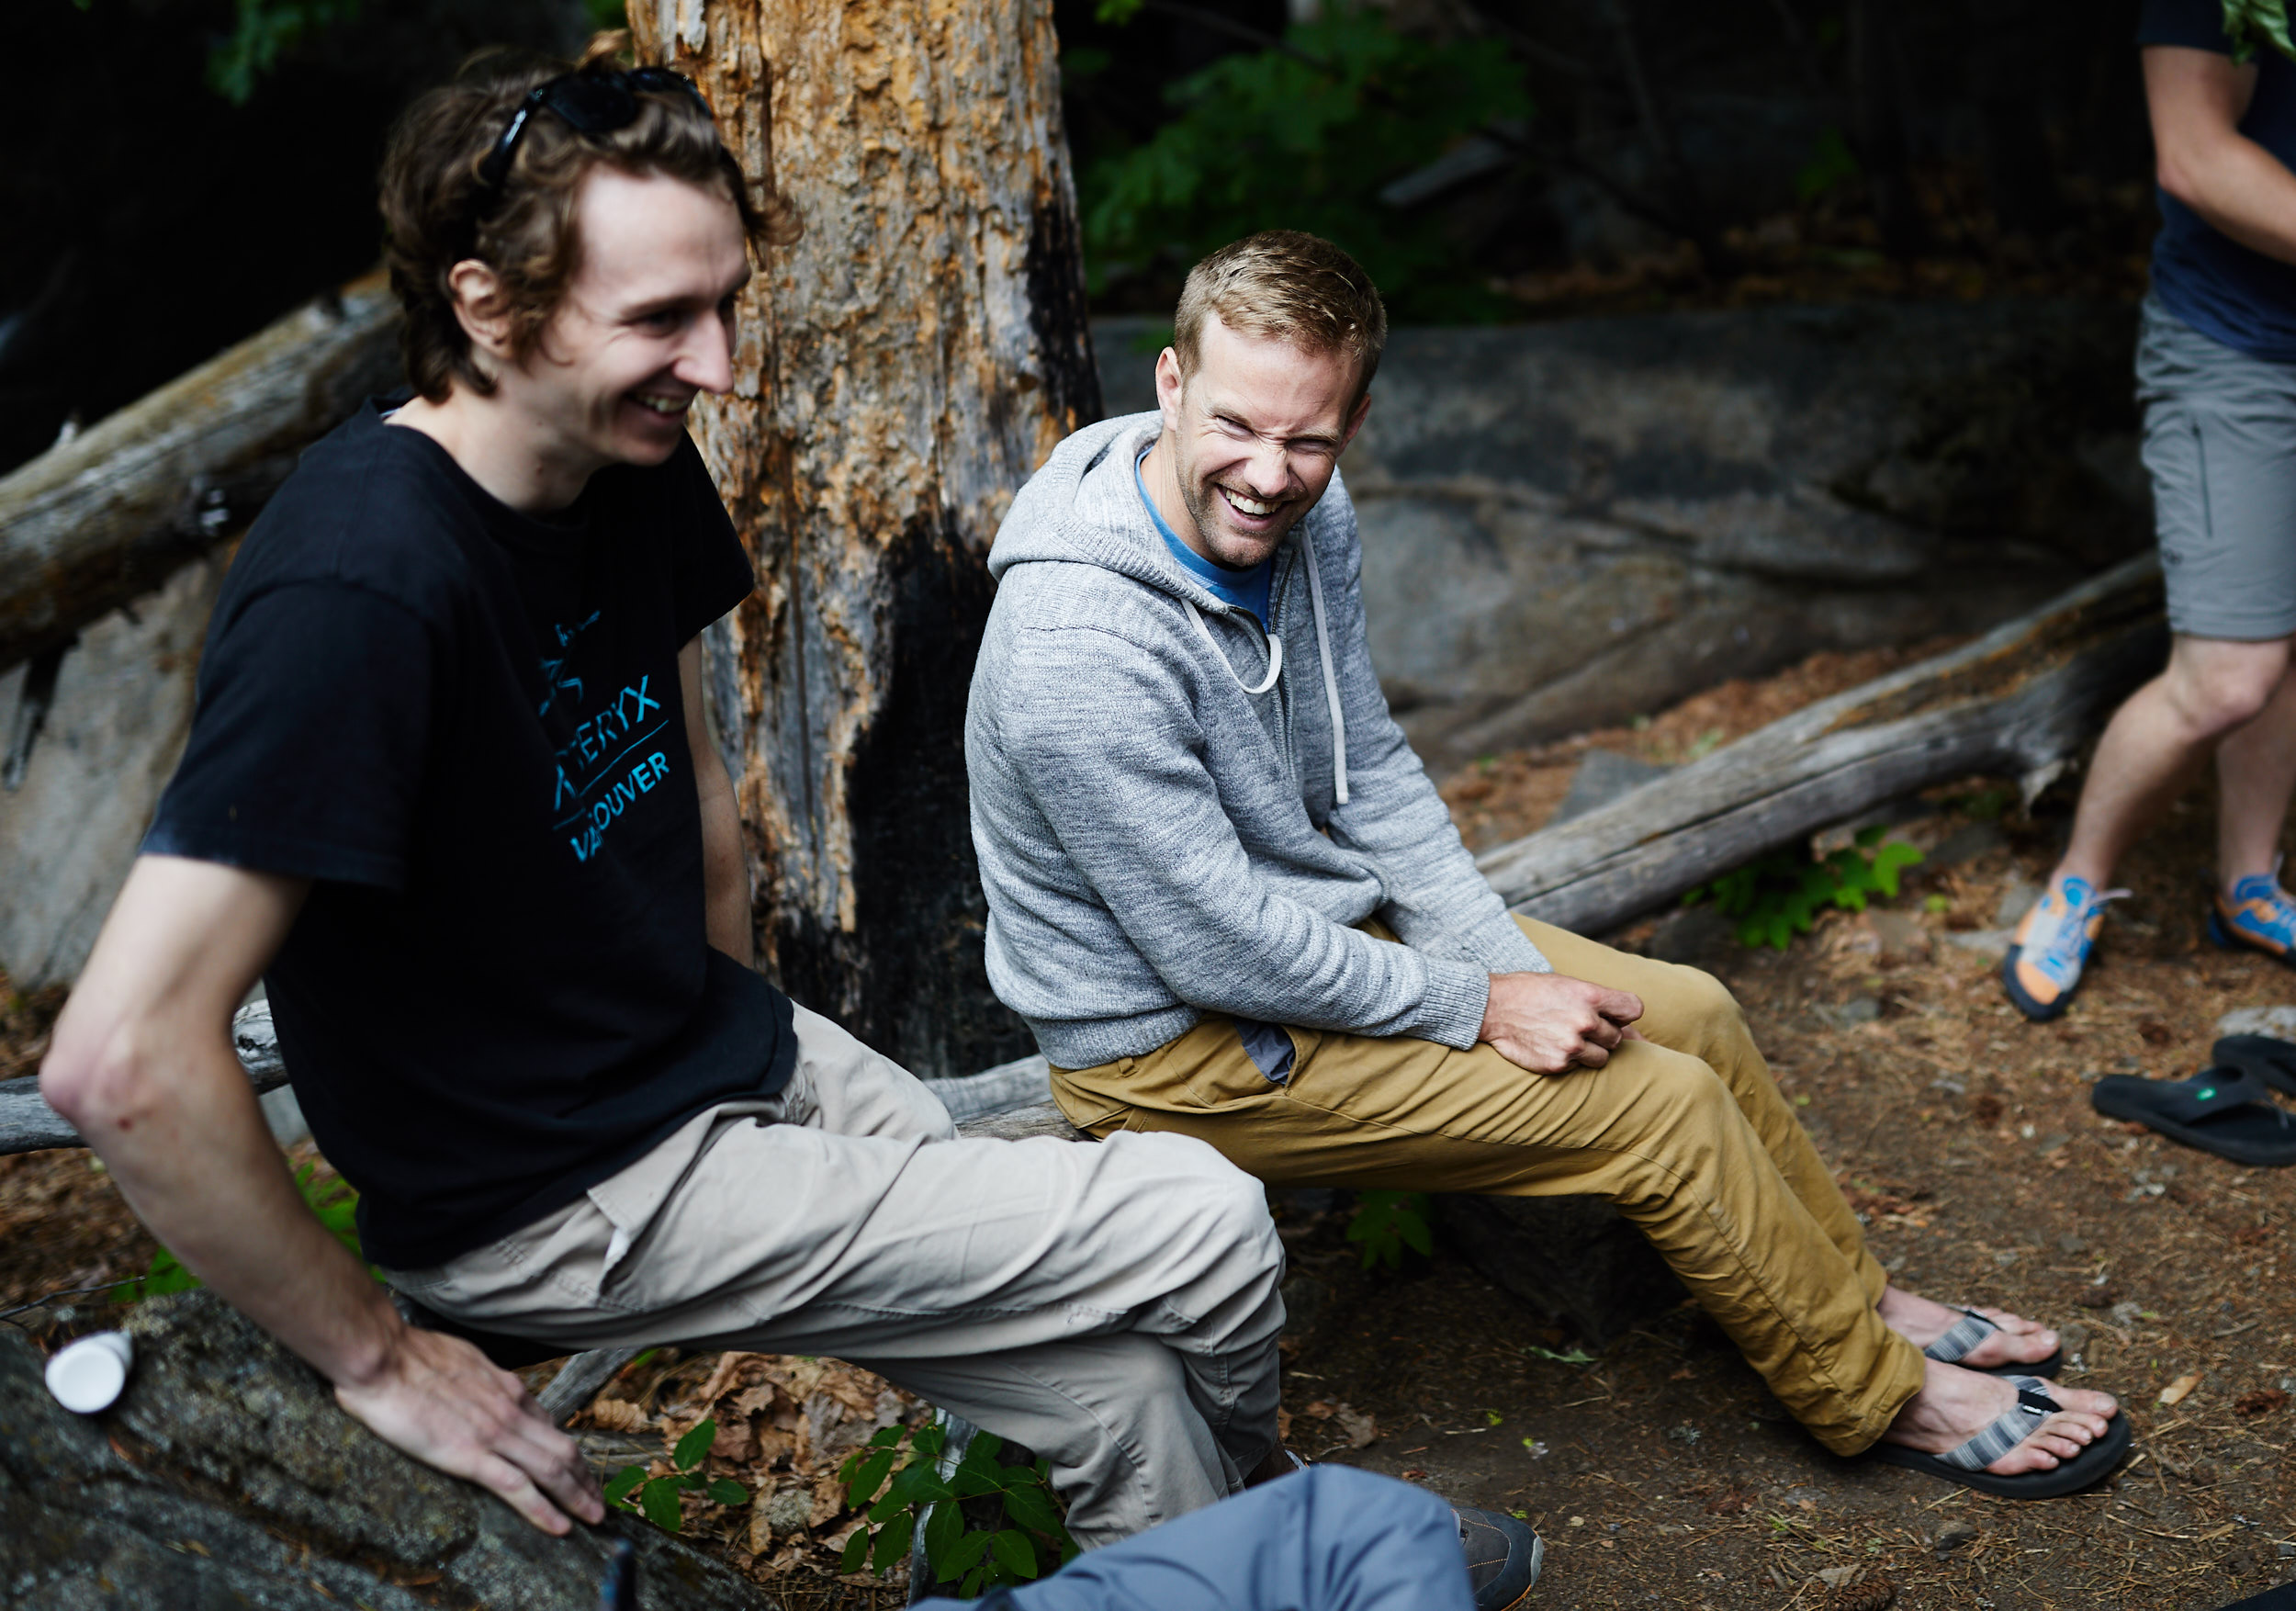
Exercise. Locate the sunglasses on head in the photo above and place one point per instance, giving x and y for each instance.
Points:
(588, 103)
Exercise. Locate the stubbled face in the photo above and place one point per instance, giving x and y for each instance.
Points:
(646, 324)
(1255, 431)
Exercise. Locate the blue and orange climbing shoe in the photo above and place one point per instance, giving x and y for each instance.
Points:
(2258, 914)
(2044, 966)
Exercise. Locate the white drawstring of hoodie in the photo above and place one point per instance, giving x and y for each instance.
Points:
(1275, 665)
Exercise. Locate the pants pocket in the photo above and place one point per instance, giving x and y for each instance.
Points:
(1269, 1047)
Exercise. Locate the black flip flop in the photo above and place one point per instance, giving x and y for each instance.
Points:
(2271, 1059)
(2093, 1464)
(1965, 1334)
(2227, 1112)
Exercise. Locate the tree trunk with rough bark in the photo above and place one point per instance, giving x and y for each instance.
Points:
(903, 368)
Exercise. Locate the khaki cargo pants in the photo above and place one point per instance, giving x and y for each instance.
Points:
(1686, 1132)
(1115, 1308)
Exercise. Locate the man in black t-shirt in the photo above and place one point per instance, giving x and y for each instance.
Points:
(450, 790)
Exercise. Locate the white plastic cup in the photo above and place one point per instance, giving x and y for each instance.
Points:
(88, 1374)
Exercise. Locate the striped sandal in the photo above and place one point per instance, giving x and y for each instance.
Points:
(1973, 1328)
(1966, 1465)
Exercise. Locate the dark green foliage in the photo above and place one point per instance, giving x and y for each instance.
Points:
(1775, 897)
(1303, 139)
(266, 31)
(892, 1492)
(656, 1498)
(2246, 20)
(332, 1200)
(1388, 1221)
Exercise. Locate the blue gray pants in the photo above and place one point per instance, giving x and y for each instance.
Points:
(1332, 1538)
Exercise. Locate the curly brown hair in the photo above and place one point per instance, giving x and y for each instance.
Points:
(438, 212)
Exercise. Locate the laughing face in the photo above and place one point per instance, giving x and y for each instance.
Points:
(646, 324)
(1251, 437)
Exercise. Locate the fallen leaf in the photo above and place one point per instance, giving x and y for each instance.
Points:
(618, 1415)
(1320, 1409)
(2173, 1394)
(2262, 1402)
(1361, 1429)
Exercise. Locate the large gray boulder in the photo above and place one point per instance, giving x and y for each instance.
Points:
(227, 1476)
(1568, 525)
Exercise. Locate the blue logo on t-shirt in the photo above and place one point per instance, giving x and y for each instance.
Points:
(608, 762)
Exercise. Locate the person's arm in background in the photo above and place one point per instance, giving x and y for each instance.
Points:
(724, 868)
(2197, 99)
(142, 1064)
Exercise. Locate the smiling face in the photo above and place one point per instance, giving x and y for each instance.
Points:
(1253, 433)
(645, 327)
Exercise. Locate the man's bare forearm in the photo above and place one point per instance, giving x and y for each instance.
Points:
(142, 1064)
(189, 1149)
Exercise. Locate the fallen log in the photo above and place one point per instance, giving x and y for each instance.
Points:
(2020, 702)
(109, 514)
(226, 1475)
(27, 1124)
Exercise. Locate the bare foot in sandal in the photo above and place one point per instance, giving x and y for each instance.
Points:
(1955, 1405)
(1921, 1321)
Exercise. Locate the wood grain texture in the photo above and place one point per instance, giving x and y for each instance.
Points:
(901, 368)
(109, 515)
(2020, 702)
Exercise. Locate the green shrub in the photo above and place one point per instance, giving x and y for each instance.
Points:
(1266, 139)
(1388, 1221)
(896, 1492)
(1775, 897)
(656, 1498)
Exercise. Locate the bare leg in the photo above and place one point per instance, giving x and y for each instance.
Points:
(2212, 687)
(2256, 767)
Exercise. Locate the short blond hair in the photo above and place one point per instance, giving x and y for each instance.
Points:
(1289, 285)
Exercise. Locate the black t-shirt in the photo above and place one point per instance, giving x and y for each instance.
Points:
(2226, 291)
(464, 724)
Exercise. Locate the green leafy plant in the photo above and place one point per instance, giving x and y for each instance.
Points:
(894, 1492)
(1304, 136)
(332, 1201)
(1386, 1222)
(1831, 163)
(657, 1498)
(1776, 896)
(264, 32)
(2246, 20)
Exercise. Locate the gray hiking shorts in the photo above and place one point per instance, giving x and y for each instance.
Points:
(2220, 441)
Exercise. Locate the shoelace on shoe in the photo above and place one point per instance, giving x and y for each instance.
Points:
(2068, 944)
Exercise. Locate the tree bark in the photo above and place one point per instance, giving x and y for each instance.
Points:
(2021, 701)
(226, 1475)
(114, 512)
(903, 368)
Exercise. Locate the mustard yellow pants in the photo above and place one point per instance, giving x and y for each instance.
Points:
(1686, 1132)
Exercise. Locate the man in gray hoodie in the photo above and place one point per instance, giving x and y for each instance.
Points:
(1229, 902)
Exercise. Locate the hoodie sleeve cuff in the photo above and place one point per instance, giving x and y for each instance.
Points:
(1452, 1010)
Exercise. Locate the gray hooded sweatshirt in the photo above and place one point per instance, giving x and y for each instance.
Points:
(1176, 815)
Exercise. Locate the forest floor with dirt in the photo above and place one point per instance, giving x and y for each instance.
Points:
(1660, 1472)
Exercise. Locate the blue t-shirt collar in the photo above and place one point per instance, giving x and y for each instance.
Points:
(1247, 588)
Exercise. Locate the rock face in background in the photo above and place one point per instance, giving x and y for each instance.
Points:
(227, 1476)
(1565, 526)
(1569, 525)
